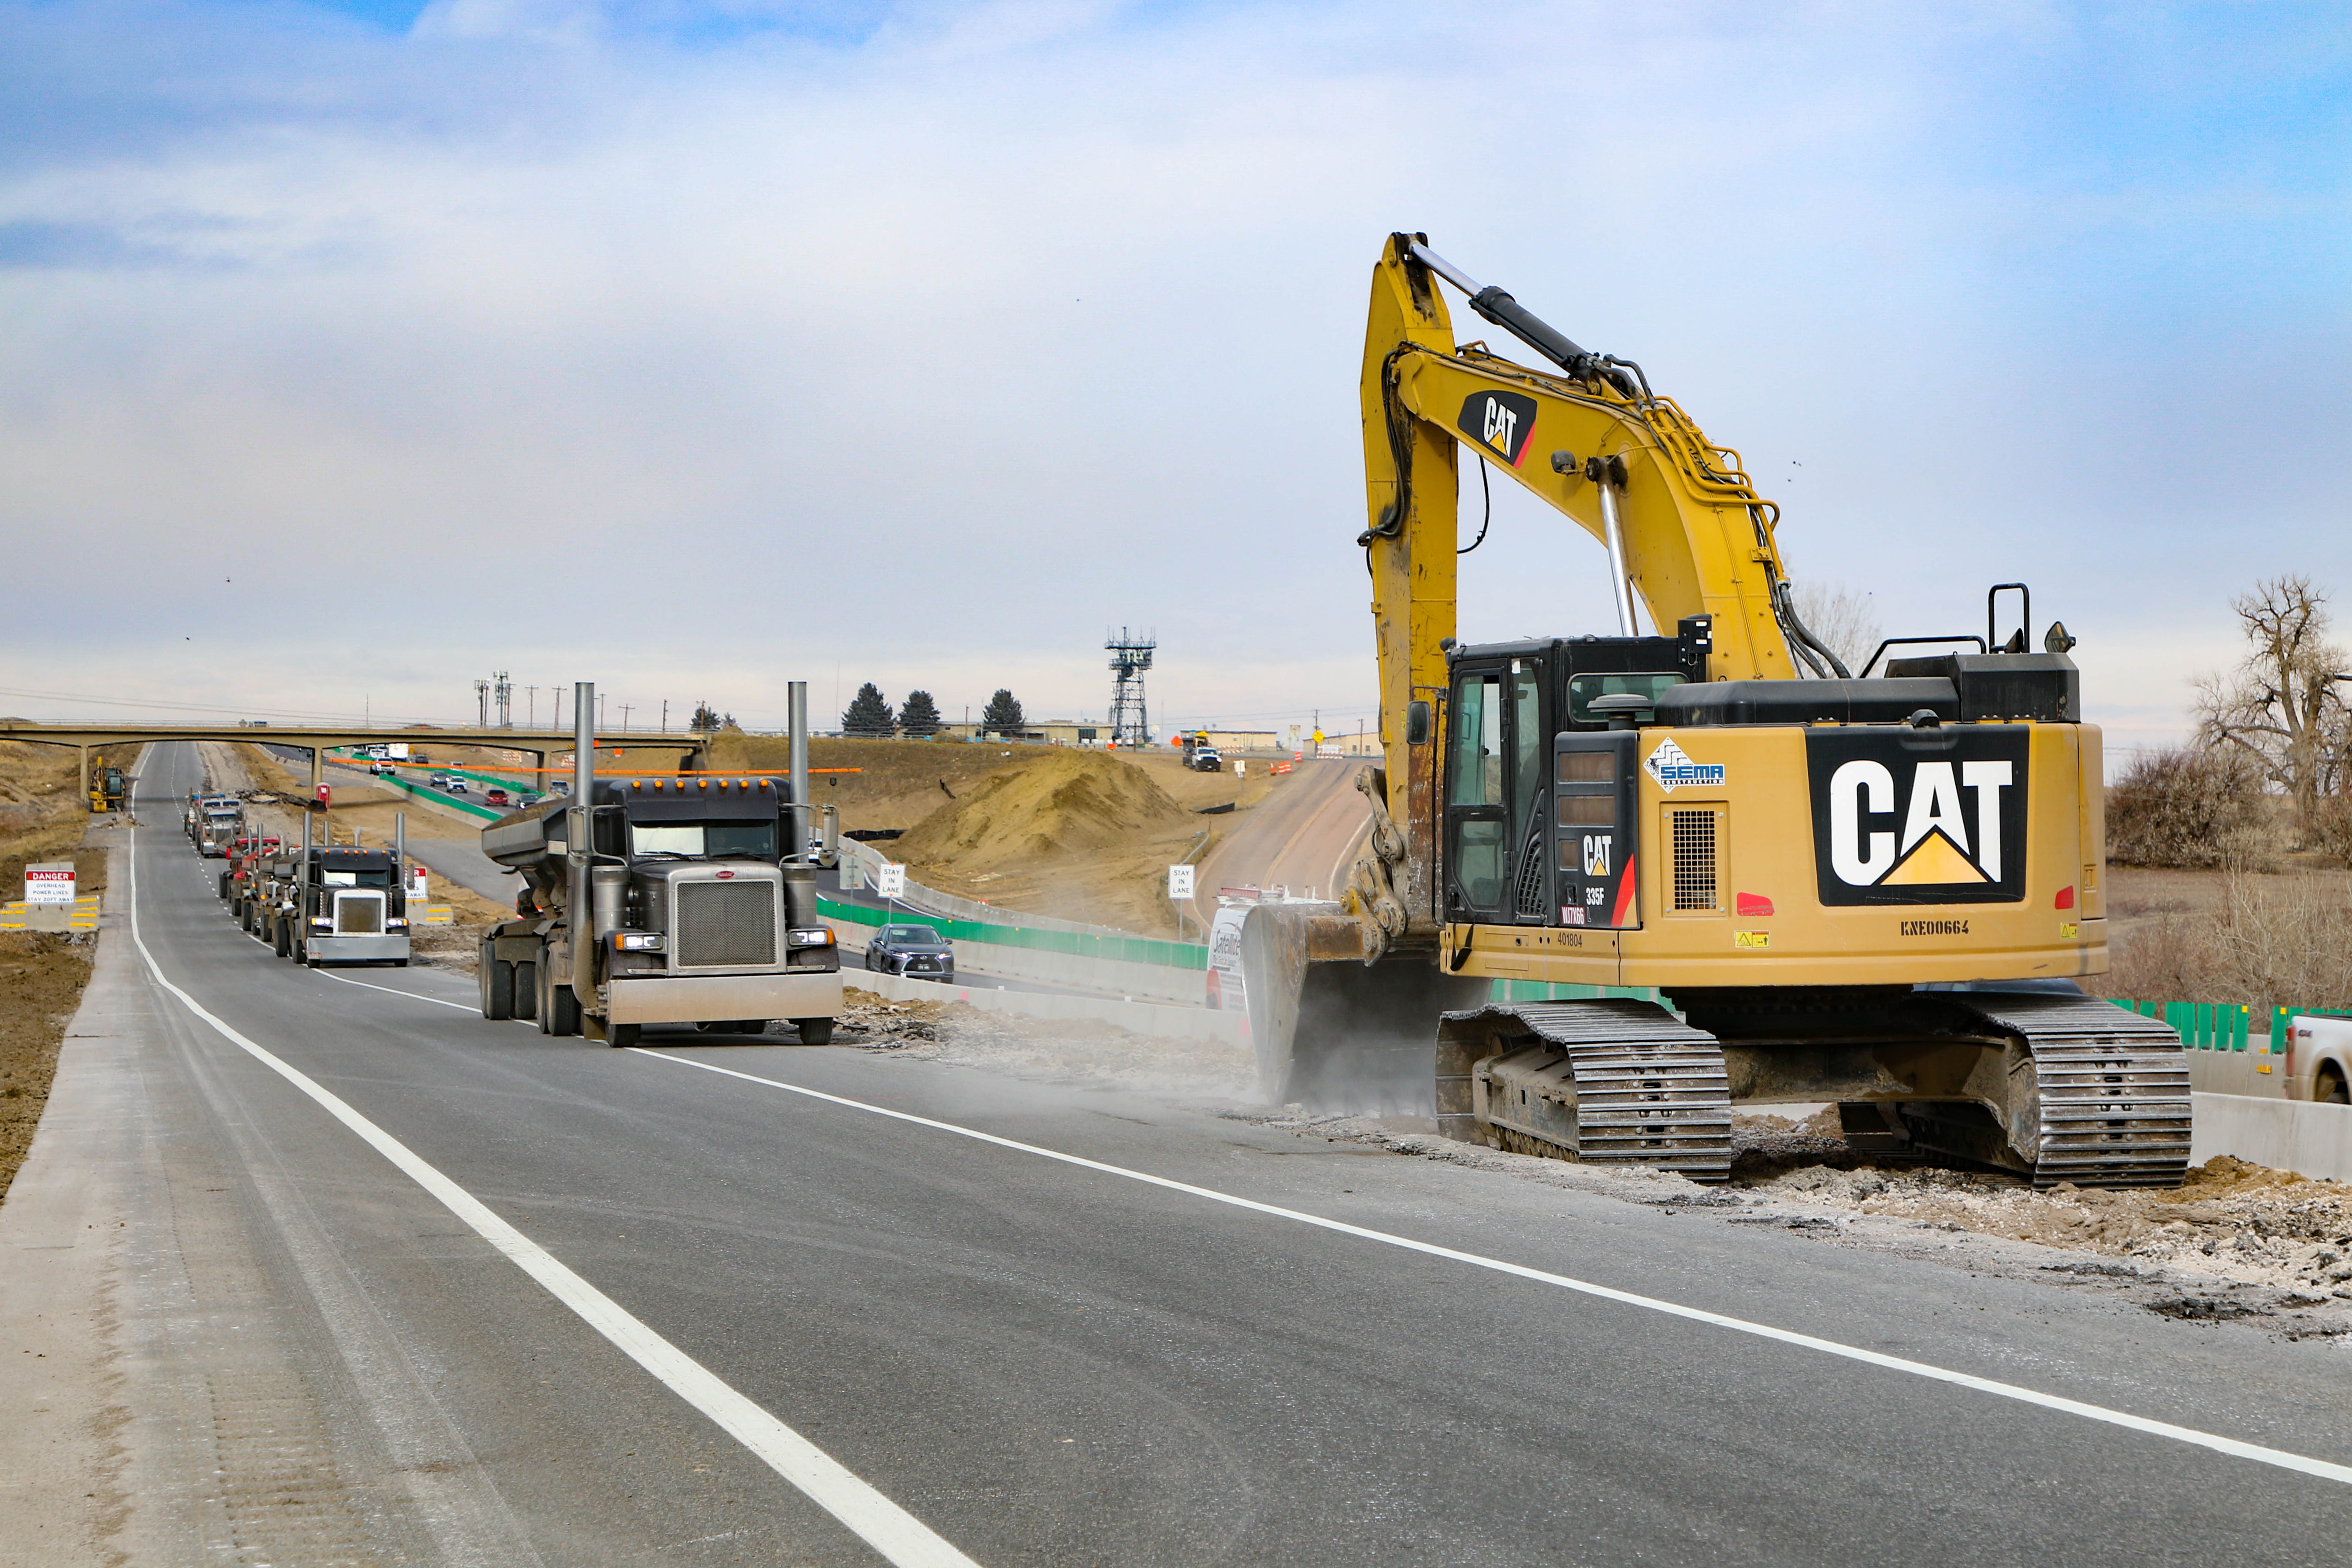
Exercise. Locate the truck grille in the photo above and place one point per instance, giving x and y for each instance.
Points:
(724, 925)
(358, 917)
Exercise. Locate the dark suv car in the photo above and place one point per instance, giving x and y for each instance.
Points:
(918, 952)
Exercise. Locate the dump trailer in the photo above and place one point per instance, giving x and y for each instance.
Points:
(1732, 869)
(325, 904)
(241, 878)
(695, 915)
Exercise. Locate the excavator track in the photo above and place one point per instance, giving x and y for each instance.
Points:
(1611, 1081)
(2112, 1090)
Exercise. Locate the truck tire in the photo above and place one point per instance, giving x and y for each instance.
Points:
(497, 978)
(621, 1036)
(814, 1031)
(285, 938)
(559, 1009)
(526, 991)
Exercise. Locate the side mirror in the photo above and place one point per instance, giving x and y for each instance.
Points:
(1416, 723)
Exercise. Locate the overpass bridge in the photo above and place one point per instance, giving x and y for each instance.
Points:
(318, 739)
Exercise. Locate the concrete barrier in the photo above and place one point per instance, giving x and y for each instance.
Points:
(2286, 1134)
(1141, 1018)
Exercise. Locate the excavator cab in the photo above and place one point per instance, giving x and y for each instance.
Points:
(1518, 816)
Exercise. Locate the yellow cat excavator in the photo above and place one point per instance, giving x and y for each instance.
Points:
(1747, 872)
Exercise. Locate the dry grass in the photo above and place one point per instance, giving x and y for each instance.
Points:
(2242, 937)
(43, 816)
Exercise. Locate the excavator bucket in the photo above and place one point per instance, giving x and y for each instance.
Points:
(1334, 1033)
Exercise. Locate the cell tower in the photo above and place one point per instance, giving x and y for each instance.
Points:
(482, 700)
(505, 694)
(1130, 657)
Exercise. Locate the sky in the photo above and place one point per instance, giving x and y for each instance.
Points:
(351, 352)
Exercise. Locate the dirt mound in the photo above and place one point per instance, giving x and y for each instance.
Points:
(1053, 805)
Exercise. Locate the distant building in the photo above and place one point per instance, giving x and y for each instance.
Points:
(1051, 732)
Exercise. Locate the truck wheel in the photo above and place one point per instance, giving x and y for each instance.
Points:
(559, 1009)
(497, 978)
(814, 1031)
(224, 887)
(400, 963)
(621, 1036)
(526, 991)
(285, 939)
(2330, 1091)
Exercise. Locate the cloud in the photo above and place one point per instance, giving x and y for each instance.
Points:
(713, 345)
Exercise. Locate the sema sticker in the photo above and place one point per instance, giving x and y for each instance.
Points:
(1751, 939)
(1672, 768)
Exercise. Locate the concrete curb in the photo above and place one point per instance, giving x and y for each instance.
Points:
(2286, 1134)
(1141, 1018)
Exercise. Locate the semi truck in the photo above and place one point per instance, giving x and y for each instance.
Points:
(686, 900)
(323, 904)
(218, 825)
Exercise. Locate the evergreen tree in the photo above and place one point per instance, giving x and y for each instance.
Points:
(706, 718)
(1002, 715)
(920, 716)
(868, 714)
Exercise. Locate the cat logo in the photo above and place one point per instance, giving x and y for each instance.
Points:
(1934, 817)
(1501, 422)
(1596, 854)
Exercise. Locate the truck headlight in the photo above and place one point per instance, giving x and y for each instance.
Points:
(818, 937)
(640, 941)
(326, 920)
(396, 922)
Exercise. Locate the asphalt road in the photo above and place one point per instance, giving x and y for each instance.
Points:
(1303, 836)
(1042, 1362)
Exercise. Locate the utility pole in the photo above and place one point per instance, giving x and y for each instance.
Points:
(600, 710)
(665, 729)
(625, 710)
(532, 721)
(482, 700)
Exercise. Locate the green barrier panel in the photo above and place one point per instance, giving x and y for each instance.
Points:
(1075, 944)
(1562, 991)
(486, 812)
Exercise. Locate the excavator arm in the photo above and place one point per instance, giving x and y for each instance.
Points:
(1682, 527)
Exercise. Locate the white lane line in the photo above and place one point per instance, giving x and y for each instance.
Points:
(396, 990)
(2284, 1460)
(891, 1531)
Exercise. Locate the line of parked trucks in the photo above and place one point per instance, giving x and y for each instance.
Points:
(314, 904)
(668, 900)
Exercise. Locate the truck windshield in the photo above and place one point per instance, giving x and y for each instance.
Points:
(704, 840)
(359, 876)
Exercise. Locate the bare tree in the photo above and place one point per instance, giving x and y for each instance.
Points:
(1841, 616)
(2282, 705)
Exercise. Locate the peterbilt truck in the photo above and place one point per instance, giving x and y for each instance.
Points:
(214, 823)
(333, 904)
(697, 915)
